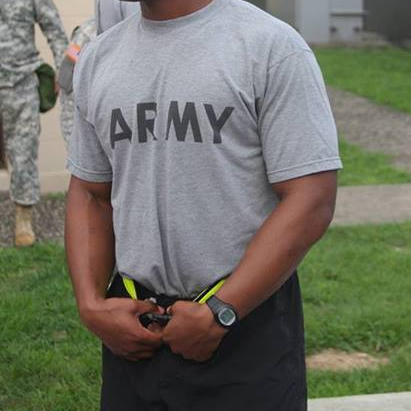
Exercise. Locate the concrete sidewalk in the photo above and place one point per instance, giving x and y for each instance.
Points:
(380, 402)
(373, 205)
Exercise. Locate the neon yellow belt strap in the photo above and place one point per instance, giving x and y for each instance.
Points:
(202, 298)
(131, 288)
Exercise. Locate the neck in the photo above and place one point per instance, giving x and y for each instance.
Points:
(170, 9)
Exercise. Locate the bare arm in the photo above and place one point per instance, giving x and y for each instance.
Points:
(305, 211)
(90, 255)
(89, 240)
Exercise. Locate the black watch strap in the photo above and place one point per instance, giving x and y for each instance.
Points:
(225, 314)
(214, 303)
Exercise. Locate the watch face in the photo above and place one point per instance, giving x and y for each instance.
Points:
(227, 317)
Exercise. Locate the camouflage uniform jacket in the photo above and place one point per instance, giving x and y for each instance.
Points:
(84, 33)
(80, 37)
(18, 53)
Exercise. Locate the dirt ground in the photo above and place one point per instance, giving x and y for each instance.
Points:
(334, 360)
(48, 218)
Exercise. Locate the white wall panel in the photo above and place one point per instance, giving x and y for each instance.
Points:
(313, 20)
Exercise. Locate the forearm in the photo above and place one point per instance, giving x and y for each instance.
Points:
(276, 250)
(89, 245)
(52, 27)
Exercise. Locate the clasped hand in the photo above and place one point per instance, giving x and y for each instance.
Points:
(192, 332)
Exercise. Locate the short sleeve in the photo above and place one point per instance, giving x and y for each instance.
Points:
(87, 159)
(296, 125)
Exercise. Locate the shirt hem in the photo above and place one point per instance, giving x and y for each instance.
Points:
(88, 175)
(302, 170)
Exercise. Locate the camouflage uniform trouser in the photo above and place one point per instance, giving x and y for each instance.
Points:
(67, 114)
(21, 128)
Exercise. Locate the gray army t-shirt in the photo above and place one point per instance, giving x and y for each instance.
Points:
(192, 119)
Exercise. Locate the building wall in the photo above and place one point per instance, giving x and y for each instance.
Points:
(313, 20)
(259, 3)
(282, 9)
(52, 154)
(322, 21)
(346, 20)
(392, 18)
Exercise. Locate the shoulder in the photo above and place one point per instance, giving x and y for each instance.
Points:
(110, 37)
(264, 30)
(94, 54)
(84, 33)
(102, 46)
(89, 27)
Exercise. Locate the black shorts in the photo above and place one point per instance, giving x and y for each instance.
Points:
(259, 366)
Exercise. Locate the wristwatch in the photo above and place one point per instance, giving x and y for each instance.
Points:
(224, 314)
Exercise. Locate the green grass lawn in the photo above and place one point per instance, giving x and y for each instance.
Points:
(362, 167)
(382, 75)
(47, 361)
(356, 286)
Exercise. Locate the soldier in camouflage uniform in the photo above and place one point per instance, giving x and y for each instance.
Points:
(19, 98)
(108, 14)
(80, 37)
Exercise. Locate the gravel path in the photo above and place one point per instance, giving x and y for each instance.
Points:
(372, 126)
(373, 205)
(355, 205)
(48, 220)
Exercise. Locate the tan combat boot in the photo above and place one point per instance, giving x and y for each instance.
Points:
(24, 235)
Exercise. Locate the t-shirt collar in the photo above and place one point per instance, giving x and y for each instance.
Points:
(197, 16)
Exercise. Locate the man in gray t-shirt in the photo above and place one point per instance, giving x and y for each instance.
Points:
(203, 159)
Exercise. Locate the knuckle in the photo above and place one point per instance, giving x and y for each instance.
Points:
(177, 306)
(143, 303)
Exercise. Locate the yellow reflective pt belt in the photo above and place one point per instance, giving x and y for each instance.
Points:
(131, 288)
(205, 295)
(202, 298)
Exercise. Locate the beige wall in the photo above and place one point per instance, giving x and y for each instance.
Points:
(52, 149)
